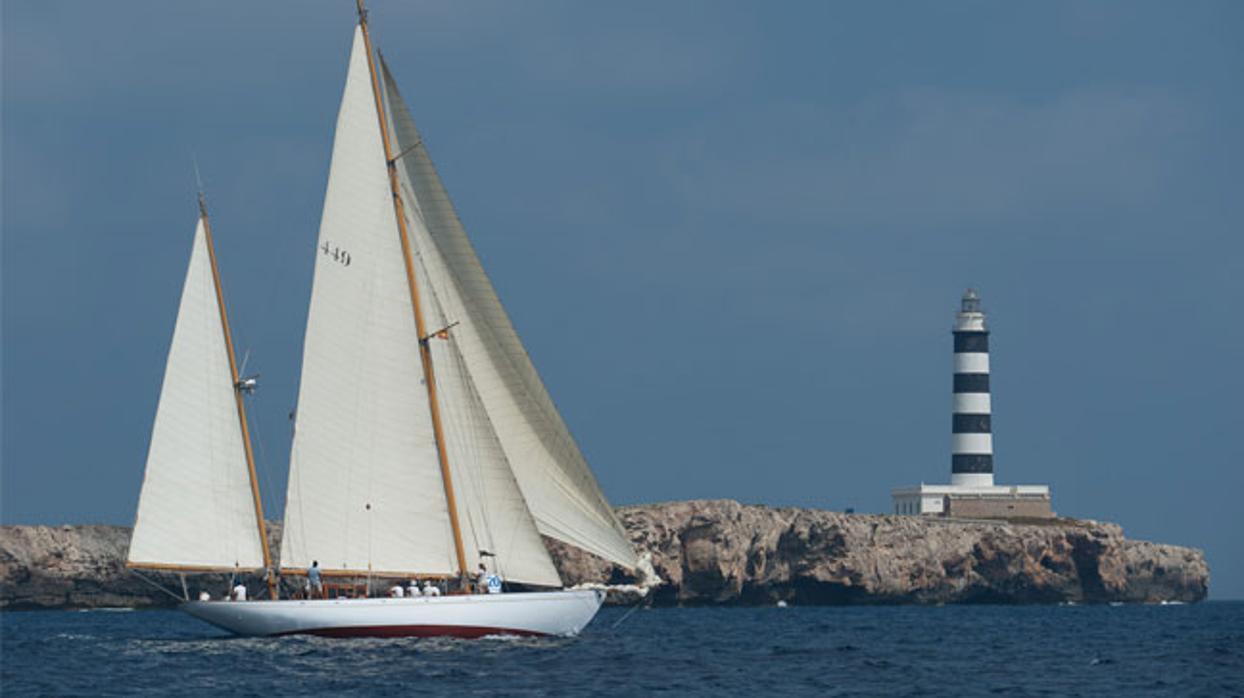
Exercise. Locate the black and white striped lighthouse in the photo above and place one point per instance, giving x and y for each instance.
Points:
(972, 438)
(971, 493)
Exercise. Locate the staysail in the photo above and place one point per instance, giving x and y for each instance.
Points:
(197, 508)
(365, 490)
(556, 482)
(492, 512)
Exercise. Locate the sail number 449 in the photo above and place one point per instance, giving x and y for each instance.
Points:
(337, 254)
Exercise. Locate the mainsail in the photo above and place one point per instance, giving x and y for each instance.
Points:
(365, 489)
(197, 509)
(555, 479)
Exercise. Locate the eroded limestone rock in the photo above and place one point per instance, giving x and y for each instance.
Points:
(723, 552)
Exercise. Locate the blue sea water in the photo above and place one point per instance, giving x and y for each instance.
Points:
(1195, 650)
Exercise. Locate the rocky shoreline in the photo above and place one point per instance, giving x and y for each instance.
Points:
(721, 552)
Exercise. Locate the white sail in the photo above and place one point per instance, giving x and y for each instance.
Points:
(559, 488)
(196, 509)
(365, 490)
(492, 513)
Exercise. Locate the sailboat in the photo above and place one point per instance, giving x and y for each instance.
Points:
(426, 447)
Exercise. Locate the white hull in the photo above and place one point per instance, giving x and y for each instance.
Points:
(536, 613)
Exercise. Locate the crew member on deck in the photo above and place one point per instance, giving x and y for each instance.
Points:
(239, 592)
(315, 587)
(481, 580)
(396, 591)
(430, 589)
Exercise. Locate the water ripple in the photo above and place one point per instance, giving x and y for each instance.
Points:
(977, 650)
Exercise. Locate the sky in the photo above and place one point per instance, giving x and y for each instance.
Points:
(732, 235)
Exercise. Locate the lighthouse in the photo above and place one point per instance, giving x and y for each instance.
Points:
(972, 492)
(971, 440)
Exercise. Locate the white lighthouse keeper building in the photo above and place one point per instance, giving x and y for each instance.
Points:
(972, 492)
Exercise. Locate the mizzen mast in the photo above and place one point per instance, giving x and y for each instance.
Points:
(425, 350)
(237, 395)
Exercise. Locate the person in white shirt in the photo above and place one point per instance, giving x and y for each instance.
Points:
(413, 590)
(239, 592)
(481, 580)
(396, 591)
(430, 589)
(315, 584)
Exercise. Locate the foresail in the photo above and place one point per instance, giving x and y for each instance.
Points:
(365, 490)
(492, 513)
(196, 508)
(554, 477)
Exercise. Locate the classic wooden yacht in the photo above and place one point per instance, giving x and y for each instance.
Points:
(425, 442)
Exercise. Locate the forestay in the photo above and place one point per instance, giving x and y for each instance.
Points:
(365, 490)
(196, 509)
(559, 488)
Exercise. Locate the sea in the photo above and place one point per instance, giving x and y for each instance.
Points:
(1100, 650)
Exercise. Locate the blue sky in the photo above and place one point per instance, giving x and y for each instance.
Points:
(732, 235)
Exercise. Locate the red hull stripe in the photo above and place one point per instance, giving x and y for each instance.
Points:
(465, 631)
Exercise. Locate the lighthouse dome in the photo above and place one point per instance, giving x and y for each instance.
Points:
(971, 301)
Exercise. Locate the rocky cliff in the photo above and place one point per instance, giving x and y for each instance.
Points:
(723, 552)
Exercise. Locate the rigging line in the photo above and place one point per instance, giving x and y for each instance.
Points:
(410, 148)
(479, 424)
(302, 519)
(449, 413)
(461, 418)
(360, 419)
(198, 181)
(157, 585)
(369, 539)
(479, 479)
(465, 417)
(626, 615)
(458, 433)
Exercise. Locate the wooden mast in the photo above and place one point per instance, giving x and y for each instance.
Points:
(425, 350)
(237, 396)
